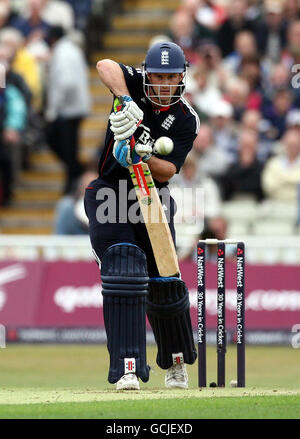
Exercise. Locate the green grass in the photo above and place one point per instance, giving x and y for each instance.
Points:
(70, 381)
(257, 407)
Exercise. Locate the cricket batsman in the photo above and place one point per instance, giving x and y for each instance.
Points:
(153, 107)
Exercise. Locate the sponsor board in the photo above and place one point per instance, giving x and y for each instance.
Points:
(62, 301)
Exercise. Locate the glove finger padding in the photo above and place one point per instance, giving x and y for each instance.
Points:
(133, 112)
(125, 135)
(117, 117)
(120, 128)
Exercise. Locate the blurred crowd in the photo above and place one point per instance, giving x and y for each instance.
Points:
(244, 83)
(44, 89)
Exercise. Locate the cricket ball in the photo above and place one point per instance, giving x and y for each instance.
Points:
(164, 145)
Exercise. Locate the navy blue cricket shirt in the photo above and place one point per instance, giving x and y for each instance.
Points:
(180, 122)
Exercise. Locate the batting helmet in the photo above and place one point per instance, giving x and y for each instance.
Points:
(164, 57)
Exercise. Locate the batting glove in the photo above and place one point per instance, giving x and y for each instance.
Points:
(144, 151)
(121, 152)
(125, 156)
(125, 122)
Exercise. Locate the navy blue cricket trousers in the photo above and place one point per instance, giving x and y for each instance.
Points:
(104, 234)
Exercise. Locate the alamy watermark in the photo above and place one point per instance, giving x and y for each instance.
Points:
(296, 78)
(296, 337)
(2, 336)
(2, 76)
(121, 206)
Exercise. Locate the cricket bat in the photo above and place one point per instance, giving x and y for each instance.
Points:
(153, 214)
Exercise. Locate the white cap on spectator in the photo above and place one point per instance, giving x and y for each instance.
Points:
(293, 118)
(222, 109)
(273, 6)
(4, 10)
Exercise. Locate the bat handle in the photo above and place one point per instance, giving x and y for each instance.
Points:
(132, 143)
(121, 100)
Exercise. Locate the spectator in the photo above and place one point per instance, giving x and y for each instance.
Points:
(291, 54)
(211, 13)
(16, 80)
(11, 77)
(206, 96)
(243, 177)
(236, 21)
(223, 130)
(250, 71)
(244, 46)
(209, 17)
(211, 61)
(292, 122)
(32, 26)
(191, 86)
(24, 63)
(191, 177)
(13, 116)
(237, 93)
(293, 119)
(181, 33)
(277, 111)
(278, 78)
(70, 218)
(252, 120)
(271, 30)
(24, 73)
(254, 11)
(68, 101)
(291, 58)
(7, 16)
(291, 10)
(215, 228)
(213, 162)
(82, 10)
(78, 38)
(281, 176)
(39, 49)
(58, 13)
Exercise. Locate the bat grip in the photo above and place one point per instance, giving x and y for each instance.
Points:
(132, 143)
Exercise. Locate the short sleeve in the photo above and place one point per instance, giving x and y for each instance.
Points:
(134, 81)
